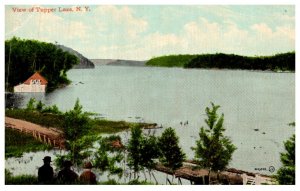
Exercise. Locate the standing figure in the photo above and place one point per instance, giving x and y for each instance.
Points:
(45, 173)
(66, 175)
(87, 176)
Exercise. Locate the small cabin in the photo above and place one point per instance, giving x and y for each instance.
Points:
(35, 83)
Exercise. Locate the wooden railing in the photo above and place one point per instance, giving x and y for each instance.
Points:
(57, 142)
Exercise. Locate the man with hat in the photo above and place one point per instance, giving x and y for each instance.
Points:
(87, 176)
(66, 175)
(45, 173)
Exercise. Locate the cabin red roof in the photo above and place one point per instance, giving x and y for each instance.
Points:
(36, 76)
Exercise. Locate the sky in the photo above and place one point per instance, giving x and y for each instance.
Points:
(140, 32)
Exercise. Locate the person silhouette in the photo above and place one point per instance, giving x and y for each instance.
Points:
(45, 172)
(66, 175)
(87, 176)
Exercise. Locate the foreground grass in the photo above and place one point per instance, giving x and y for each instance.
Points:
(106, 126)
(20, 180)
(16, 143)
(55, 120)
(43, 119)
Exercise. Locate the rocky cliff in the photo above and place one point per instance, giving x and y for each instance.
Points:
(83, 61)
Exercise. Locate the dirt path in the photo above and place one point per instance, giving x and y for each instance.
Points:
(36, 130)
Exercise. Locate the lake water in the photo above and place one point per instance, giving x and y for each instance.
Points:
(168, 96)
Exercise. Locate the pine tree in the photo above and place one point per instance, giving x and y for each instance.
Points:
(286, 174)
(76, 126)
(134, 150)
(172, 155)
(213, 150)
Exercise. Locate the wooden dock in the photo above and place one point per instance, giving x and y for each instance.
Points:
(49, 136)
(199, 176)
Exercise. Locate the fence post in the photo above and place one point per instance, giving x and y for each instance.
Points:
(40, 138)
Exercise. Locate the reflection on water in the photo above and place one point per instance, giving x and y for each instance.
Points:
(13, 100)
(19, 100)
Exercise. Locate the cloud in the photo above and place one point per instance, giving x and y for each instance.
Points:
(119, 19)
(262, 29)
(286, 31)
(47, 27)
(157, 40)
(203, 36)
(119, 32)
(221, 11)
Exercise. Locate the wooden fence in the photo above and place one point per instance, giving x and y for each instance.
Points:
(56, 142)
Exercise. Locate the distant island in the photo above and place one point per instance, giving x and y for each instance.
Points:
(277, 63)
(118, 62)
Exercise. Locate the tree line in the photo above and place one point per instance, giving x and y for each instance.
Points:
(283, 62)
(24, 57)
(278, 62)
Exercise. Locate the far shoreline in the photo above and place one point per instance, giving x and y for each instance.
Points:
(177, 67)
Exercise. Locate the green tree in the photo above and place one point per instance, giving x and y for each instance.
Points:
(150, 151)
(286, 174)
(76, 125)
(134, 150)
(142, 151)
(39, 106)
(81, 149)
(213, 150)
(172, 155)
(31, 104)
(52, 109)
(76, 122)
(107, 156)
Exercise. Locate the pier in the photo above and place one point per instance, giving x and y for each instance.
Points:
(200, 176)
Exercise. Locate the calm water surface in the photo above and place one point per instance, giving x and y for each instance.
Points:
(167, 96)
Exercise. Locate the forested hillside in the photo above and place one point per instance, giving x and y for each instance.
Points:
(83, 61)
(24, 57)
(171, 60)
(278, 62)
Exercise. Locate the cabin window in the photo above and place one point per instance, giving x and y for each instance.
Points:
(37, 81)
